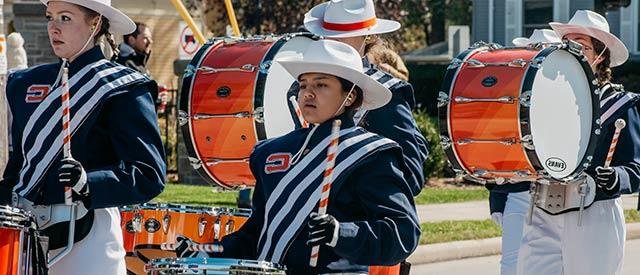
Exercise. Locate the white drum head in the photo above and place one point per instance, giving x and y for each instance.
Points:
(561, 114)
(277, 118)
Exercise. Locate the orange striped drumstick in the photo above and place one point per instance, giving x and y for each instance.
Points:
(296, 107)
(620, 124)
(326, 182)
(66, 132)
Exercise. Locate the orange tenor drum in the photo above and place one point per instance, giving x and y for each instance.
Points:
(513, 114)
(233, 95)
(15, 249)
(146, 227)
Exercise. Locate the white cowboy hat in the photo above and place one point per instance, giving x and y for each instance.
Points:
(538, 36)
(595, 25)
(118, 21)
(347, 18)
(338, 59)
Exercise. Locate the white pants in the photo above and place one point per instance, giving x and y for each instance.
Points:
(557, 245)
(100, 252)
(513, 218)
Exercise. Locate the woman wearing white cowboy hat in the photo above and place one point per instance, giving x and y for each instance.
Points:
(118, 157)
(556, 244)
(371, 217)
(353, 22)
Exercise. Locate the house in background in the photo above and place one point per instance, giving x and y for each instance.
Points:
(500, 21)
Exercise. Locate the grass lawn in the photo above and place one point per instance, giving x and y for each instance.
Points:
(204, 195)
(446, 195)
(196, 195)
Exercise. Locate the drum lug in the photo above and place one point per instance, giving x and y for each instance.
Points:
(216, 228)
(443, 99)
(258, 114)
(189, 71)
(535, 63)
(202, 224)
(527, 142)
(183, 118)
(166, 220)
(525, 99)
(455, 63)
(264, 66)
(573, 47)
(523, 173)
(229, 227)
(195, 163)
(445, 142)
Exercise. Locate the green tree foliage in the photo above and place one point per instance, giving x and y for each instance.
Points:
(436, 162)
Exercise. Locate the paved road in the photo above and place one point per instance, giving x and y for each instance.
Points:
(479, 210)
(490, 265)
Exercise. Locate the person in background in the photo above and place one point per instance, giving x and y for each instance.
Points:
(135, 50)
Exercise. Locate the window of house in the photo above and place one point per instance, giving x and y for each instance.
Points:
(537, 15)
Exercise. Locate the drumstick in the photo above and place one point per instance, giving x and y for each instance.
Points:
(620, 124)
(326, 183)
(211, 248)
(296, 107)
(66, 132)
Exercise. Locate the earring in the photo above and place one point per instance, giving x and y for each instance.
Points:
(93, 28)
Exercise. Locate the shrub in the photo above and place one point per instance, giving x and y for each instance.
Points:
(436, 162)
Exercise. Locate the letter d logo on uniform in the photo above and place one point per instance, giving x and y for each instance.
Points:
(36, 93)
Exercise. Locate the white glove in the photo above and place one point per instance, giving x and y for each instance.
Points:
(497, 218)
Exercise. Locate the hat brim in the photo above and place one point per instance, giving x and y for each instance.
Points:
(521, 41)
(119, 23)
(314, 18)
(375, 95)
(618, 51)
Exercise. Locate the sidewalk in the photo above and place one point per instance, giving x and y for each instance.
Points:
(477, 210)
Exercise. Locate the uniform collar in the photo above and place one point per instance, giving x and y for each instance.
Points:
(85, 59)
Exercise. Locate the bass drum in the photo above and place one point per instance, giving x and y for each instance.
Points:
(234, 95)
(517, 114)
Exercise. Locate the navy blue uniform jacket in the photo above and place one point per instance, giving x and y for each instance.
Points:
(118, 144)
(372, 201)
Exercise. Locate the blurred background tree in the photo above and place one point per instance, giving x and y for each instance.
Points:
(423, 22)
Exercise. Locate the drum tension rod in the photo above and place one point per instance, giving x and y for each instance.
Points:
(247, 68)
(504, 99)
(215, 161)
(504, 141)
(516, 63)
(234, 115)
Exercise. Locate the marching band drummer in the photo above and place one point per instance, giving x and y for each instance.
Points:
(509, 203)
(371, 217)
(117, 154)
(555, 244)
(354, 22)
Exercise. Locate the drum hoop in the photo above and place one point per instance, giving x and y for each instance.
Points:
(525, 128)
(183, 264)
(185, 104)
(444, 112)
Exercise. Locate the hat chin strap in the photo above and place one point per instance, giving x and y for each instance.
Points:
(598, 57)
(344, 101)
